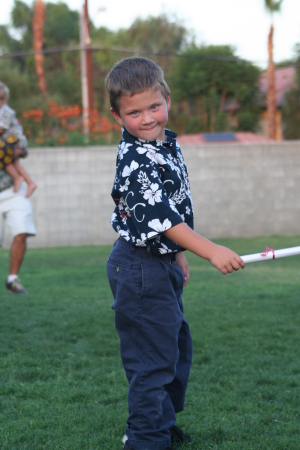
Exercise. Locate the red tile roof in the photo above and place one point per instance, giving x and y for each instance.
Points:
(242, 137)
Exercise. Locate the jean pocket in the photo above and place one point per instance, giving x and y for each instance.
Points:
(180, 275)
(125, 281)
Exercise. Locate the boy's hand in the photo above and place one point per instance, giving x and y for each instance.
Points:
(225, 260)
(184, 265)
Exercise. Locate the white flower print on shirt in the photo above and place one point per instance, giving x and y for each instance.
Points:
(170, 161)
(179, 196)
(123, 148)
(150, 191)
(113, 218)
(142, 242)
(125, 186)
(151, 153)
(164, 249)
(153, 194)
(172, 205)
(158, 227)
(126, 173)
(127, 170)
(144, 180)
(124, 234)
(154, 174)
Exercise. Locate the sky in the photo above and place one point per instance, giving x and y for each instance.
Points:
(243, 24)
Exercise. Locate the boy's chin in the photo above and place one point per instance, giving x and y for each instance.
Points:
(152, 135)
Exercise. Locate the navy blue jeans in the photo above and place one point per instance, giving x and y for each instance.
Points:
(155, 341)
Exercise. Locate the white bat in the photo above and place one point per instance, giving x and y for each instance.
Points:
(270, 253)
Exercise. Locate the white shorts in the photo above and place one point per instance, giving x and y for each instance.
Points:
(16, 210)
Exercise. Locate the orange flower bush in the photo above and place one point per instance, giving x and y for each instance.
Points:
(62, 112)
(37, 114)
(60, 124)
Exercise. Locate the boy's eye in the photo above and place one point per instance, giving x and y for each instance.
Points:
(154, 106)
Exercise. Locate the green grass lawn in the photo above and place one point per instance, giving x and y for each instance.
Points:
(62, 385)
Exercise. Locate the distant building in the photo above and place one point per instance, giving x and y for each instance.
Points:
(284, 80)
(213, 138)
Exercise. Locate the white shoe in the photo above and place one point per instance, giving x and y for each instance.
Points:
(124, 438)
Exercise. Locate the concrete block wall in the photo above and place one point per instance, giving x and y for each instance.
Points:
(246, 190)
(238, 190)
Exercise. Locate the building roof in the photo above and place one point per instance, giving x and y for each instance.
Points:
(213, 138)
(284, 80)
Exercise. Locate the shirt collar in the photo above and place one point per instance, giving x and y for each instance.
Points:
(170, 138)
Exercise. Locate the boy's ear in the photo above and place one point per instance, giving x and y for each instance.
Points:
(169, 101)
(116, 116)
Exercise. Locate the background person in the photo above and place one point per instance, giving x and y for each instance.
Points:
(12, 136)
(15, 208)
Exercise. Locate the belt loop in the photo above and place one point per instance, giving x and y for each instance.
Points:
(173, 258)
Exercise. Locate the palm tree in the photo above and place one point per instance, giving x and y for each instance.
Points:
(272, 6)
(38, 40)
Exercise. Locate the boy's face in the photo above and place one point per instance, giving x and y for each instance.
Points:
(144, 115)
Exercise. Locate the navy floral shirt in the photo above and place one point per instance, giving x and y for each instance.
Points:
(151, 192)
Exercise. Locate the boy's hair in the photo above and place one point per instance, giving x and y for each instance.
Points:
(132, 76)
(5, 89)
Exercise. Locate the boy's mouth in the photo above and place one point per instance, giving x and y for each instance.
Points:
(149, 128)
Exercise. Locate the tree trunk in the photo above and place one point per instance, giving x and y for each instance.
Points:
(38, 40)
(271, 93)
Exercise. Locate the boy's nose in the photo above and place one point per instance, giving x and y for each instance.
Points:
(147, 118)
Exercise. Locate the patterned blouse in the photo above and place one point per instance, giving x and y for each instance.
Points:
(10, 124)
(151, 192)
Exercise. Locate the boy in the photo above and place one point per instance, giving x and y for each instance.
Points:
(12, 138)
(147, 268)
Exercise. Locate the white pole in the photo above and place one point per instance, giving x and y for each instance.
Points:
(84, 80)
(271, 254)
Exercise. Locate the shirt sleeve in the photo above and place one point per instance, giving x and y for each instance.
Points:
(17, 130)
(149, 210)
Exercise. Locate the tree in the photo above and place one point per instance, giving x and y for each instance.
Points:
(213, 90)
(162, 34)
(291, 108)
(61, 28)
(155, 34)
(271, 6)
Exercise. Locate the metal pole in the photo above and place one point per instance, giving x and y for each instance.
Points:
(88, 55)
